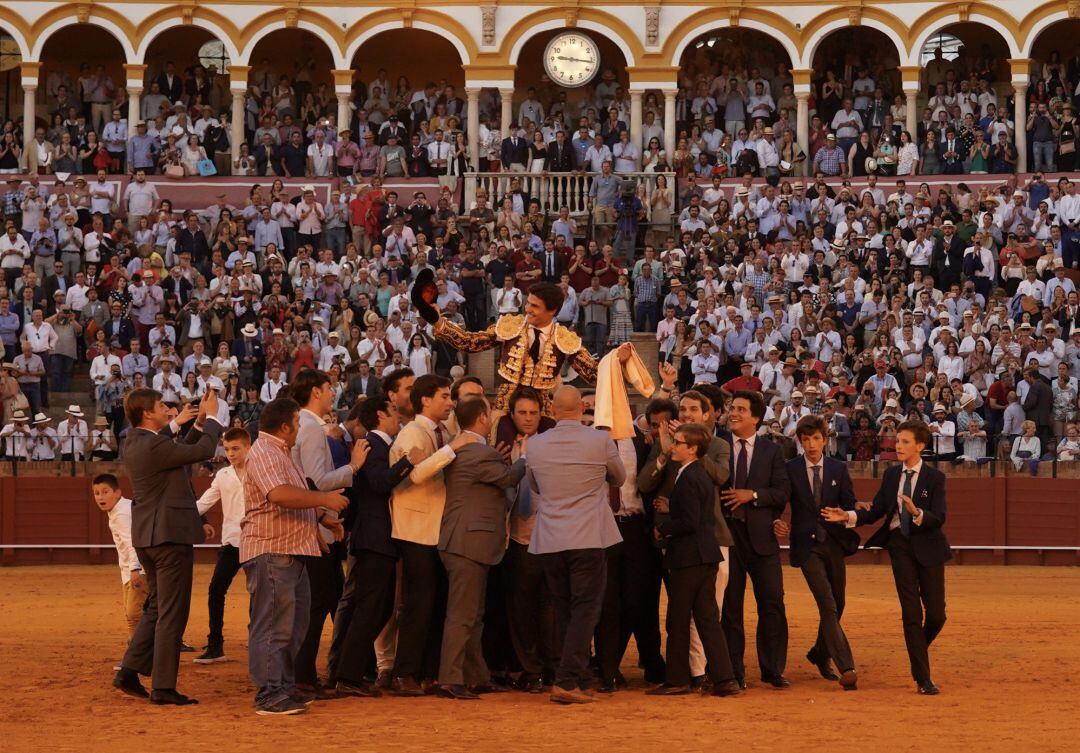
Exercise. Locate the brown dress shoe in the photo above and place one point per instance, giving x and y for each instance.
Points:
(406, 686)
(728, 688)
(848, 680)
(559, 695)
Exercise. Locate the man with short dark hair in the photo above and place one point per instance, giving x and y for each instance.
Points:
(416, 514)
(911, 500)
(758, 494)
(818, 547)
(165, 526)
(280, 534)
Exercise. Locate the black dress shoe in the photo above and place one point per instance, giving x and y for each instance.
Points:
(406, 686)
(822, 666)
(741, 682)
(928, 688)
(530, 684)
(318, 692)
(187, 649)
(669, 690)
(488, 688)
(726, 688)
(458, 693)
(127, 682)
(357, 689)
(170, 698)
(779, 682)
(696, 683)
(607, 686)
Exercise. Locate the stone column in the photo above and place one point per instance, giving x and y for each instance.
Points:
(343, 89)
(238, 81)
(635, 117)
(1021, 77)
(910, 80)
(135, 74)
(506, 115)
(801, 78)
(29, 79)
(472, 127)
(669, 123)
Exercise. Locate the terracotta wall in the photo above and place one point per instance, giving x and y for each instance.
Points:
(1004, 511)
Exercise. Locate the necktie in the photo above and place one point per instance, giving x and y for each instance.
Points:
(775, 379)
(817, 485)
(440, 436)
(551, 264)
(741, 464)
(905, 516)
(534, 348)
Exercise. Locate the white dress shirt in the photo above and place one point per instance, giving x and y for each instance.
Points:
(227, 488)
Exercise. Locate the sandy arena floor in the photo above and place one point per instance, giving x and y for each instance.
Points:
(1007, 664)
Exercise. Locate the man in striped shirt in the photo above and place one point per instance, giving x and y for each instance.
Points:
(279, 529)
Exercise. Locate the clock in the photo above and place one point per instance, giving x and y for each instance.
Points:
(571, 59)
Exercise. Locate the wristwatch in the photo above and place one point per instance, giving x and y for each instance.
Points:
(755, 496)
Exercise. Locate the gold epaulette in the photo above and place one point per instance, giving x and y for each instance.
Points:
(509, 326)
(567, 341)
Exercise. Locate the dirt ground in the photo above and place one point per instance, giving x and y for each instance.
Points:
(1006, 662)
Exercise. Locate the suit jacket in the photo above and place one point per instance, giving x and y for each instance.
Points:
(30, 155)
(163, 506)
(417, 505)
(174, 91)
(514, 150)
(927, 540)
(953, 251)
(843, 435)
(52, 284)
(312, 453)
(806, 523)
(374, 386)
(560, 159)
(767, 476)
(474, 517)
(570, 469)
(690, 526)
(370, 498)
(657, 482)
(123, 329)
(1039, 403)
(559, 263)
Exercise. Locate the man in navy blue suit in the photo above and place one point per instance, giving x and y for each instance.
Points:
(912, 502)
(818, 548)
(759, 492)
(360, 619)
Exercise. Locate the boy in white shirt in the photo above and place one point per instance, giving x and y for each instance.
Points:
(228, 489)
(108, 498)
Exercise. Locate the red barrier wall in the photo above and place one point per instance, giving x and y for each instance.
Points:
(983, 512)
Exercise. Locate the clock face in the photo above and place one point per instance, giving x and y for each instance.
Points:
(571, 59)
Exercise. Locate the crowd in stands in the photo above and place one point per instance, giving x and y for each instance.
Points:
(864, 303)
(735, 113)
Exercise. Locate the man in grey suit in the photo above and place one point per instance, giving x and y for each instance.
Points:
(1039, 403)
(312, 391)
(569, 470)
(165, 524)
(472, 538)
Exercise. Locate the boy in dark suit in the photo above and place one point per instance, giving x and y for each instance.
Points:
(691, 559)
(818, 548)
(373, 572)
(912, 502)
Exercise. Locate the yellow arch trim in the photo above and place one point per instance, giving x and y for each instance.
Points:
(723, 14)
(451, 25)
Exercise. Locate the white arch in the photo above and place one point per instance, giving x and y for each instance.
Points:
(1039, 27)
(320, 33)
(941, 24)
(104, 23)
(219, 34)
(20, 40)
(354, 47)
(557, 23)
(842, 23)
(744, 23)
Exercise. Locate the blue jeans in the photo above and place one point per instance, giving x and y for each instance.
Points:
(278, 615)
(335, 239)
(62, 367)
(645, 316)
(1044, 155)
(32, 390)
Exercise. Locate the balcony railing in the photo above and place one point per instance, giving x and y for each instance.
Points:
(552, 190)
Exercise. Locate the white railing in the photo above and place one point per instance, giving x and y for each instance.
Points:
(553, 190)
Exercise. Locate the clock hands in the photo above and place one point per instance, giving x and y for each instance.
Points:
(573, 60)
